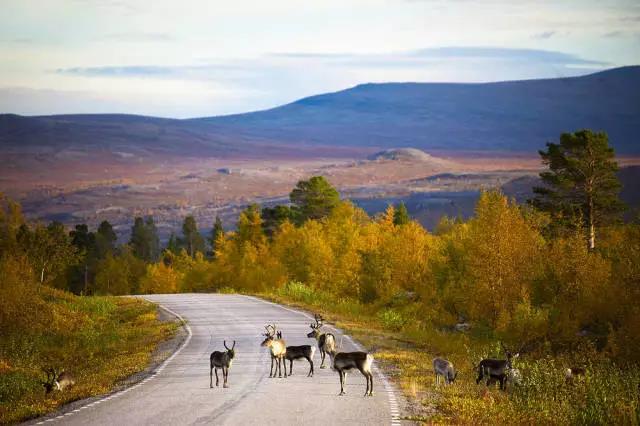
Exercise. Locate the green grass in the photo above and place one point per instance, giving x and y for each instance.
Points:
(405, 346)
(100, 340)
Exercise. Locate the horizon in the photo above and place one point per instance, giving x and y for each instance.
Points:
(200, 59)
(313, 95)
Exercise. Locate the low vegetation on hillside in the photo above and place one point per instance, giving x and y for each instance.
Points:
(557, 280)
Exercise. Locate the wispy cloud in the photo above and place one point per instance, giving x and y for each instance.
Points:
(545, 35)
(136, 37)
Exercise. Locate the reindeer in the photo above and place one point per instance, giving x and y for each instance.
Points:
(222, 360)
(278, 348)
(573, 373)
(444, 368)
(299, 352)
(344, 361)
(58, 381)
(496, 369)
(326, 341)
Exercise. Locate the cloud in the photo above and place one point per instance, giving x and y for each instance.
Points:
(500, 53)
(284, 62)
(614, 34)
(544, 35)
(136, 37)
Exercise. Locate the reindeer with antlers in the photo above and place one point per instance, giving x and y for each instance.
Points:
(222, 360)
(59, 381)
(326, 341)
(278, 348)
(500, 370)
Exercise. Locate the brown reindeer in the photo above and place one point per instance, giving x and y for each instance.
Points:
(326, 341)
(58, 381)
(278, 348)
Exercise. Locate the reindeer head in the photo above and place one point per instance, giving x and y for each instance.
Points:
(269, 335)
(231, 352)
(315, 328)
(509, 355)
(52, 376)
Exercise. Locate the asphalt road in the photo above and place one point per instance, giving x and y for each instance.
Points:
(179, 392)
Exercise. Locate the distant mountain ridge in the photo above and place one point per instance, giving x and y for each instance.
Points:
(513, 116)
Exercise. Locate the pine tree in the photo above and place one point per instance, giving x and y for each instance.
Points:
(152, 239)
(106, 239)
(216, 232)
(314, 198)
(581, 185)
(193, 241)
(401, 215)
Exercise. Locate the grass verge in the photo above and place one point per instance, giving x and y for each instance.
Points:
(100, 340)
(405, 346)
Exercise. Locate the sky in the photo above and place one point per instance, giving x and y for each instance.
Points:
(194, 58)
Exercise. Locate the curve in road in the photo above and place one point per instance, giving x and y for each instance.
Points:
(178, 391)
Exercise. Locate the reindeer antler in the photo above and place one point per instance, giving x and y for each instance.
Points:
(269, 332)
(319, 320)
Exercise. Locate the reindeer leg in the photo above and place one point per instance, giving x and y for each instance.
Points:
(271, 369)
(290, 367)
(371, 388)
(211, 377)
(217, 380)
(310, 367)
(284, 363)
(323, 355)
(342, 380)
(225, 374)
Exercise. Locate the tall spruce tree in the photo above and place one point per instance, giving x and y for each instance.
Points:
(401, 215)
(580, 185)
(106, 239)
(192, 240)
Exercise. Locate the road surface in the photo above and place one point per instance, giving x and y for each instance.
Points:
(179, 392)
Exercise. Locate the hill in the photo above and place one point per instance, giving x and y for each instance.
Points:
(514, 116)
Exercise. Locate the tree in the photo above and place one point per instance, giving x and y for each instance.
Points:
(273, 217)
(144, 239)
(173, 246)
(401, 215)
(106, 239)
(581, 185)
(216, 232)
(85, 243)
(314, 198)
(250, 225)
(193, 241)
(154, 240)
(48, 249)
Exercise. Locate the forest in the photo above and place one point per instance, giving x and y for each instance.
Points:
(557, 278)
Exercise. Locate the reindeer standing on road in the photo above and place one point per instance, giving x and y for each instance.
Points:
(222, 360)
(278, 348)
(345, 361)
(326, 341)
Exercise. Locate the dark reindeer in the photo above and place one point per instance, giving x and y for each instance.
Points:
(58, 381)
(326, 341)
(278, 348)
(222, 360)
(345, 361)
(299, 352)
(496, 369)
